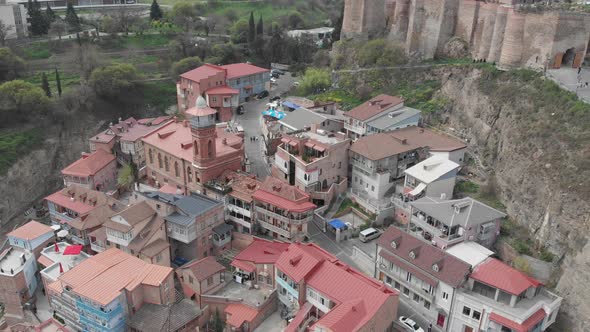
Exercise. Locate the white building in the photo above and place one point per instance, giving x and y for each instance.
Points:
(14, 16)
(433, 177)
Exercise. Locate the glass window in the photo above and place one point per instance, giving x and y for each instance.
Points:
(416, 298)
(427, 305)
(466, 311)
(476, 314)
(406, 292)
(396, 285)
(445, 296)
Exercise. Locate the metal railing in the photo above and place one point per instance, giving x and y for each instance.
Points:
(274, 228)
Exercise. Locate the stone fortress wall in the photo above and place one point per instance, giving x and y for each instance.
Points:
(499, 31)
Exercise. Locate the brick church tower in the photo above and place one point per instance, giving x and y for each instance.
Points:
(202, 120)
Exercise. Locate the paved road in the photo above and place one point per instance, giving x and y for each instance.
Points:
(250, 121)
(568, 78)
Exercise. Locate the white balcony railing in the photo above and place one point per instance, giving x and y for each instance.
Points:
(274, 228)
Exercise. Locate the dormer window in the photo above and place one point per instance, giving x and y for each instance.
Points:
(393, 244)
(435, 267)
(412, 254)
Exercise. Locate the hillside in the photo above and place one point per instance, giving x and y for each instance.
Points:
(533, 141)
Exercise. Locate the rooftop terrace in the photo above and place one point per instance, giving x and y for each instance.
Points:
(250, 296)
(68, 262)
(12, 261)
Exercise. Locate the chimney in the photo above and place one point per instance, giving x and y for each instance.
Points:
(120, 119)
(405, 141)
(85, 155)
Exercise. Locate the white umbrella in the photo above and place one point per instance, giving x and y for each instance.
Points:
(55, 227)
(62, 233)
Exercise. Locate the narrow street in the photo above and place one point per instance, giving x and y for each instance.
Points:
(250, 122)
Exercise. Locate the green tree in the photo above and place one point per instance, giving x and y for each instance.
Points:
(38, 21)
(218, 323)
(4, 29)
(185, 65)
(380, 53)
(251, 28)
(72, 18)
(338, 26)
(50, 14)
(315, 80)
(11, 65)
(114, 81)
(58, 27)
(155, 11)
(184, 15)
(58, 82)
(45, 85)
(295, 20)
(239, 32)
(126, 177)
(20, 96)
(259, 27)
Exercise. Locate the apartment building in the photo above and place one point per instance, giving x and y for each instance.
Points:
(188, 154)
(95, 171)
(137, 230)
(81, 211)
(18, 282)
(201, 276)
(124, 139)
(380, 114)
(499, 298)
(315, 162)
(32, 236)
(433, 177)
(303, 119)
(102, 292)
(190, 223)
(14, 16)
(255, 265)
(324, 294)
(282, 211)
(427, 276)
(379, 161)
(444, 223)
(223, 87)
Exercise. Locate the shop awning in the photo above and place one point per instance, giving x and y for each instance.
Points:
(338, 224)
(419, 188)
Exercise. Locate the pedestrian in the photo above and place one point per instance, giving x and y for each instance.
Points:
(586, 84)
(430, 327)
(579, 70)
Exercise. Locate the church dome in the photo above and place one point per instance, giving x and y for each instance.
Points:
(201, 108)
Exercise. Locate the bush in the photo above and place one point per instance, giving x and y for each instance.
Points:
(522, 247)
(315, 81)
(114, 81)
(546, 256)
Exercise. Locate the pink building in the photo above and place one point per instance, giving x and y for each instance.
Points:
(187, 154)
(223, 87)
(95, 171)
(202, 276)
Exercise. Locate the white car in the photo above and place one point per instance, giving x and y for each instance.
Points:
(273, 80)
(410, 325)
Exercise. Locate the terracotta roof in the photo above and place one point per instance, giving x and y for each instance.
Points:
(102, 277)
(155, 247)
(243, 265)
(202, 72)
(80, 199)
(236, 70)
(500, 275)
(156, 318)
(239, 313)
(301, 316)
(104, 136)
(526, 326)
(283, 195)
(31, 230)
(297, 262)
(204, 268)
(90, 165)
(168, 189)
(222, 90)
(132, 216)
(176, 139)
(51, 325)
(243, 186)
(374, 106)
(451, 270)
(379, 146)
(262, 251)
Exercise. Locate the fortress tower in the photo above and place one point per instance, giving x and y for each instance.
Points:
(364, 19)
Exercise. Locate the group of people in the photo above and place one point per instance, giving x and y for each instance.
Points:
(253, 138)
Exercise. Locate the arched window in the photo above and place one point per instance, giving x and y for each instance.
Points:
(151, 156)
(210, 148)
(189, 174)
(325, 184)
(196, 147)
(166, 164)
(176, 170)
(159, 160)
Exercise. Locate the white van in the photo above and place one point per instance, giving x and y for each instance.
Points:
(369, 234)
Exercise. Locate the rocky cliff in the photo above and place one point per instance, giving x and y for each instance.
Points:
(537, 149)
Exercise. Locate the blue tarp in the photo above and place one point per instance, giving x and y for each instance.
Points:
(337, 223)
(274, 113)
(290, 105)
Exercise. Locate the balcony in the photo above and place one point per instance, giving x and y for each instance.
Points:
(293, 290)
(101, 314)
(371, 204)
(411, 286)
(274, 228)
(79, 240)
(357, 129)
(61, 217)
(97, 247)
(433, 233)
(366, 168)
(291, 220)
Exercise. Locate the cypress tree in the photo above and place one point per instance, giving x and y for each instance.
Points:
(45, 85)
(50, 14)
(72, 18)
(58, 82)
(259, 27)
(39, 23)
(155, 11)
(338, 26)
(251, 28)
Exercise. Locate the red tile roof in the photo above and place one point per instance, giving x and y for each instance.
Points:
(262, 251)
(299, 260)
(202, 72)
(240, 313)
(500, 275)
(90, 165)
(222, 90)
(279, 193)
(79, 199)
(200, 111)
(204, 268)
(50, 325)
(451, 270)
(301, 316)
(525, 326)
(31, 230)
(243, 265)
(236, 70)
(374, 106)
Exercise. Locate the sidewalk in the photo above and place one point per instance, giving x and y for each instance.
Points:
(567, 78)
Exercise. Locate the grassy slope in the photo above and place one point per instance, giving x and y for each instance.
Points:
(13, 145)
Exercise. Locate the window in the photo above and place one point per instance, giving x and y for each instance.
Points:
(209, 281)
(476, 314)
(466, 311)
(409, 277)
(176, 169)
(339, 164)
(416, 298)
(159, 160)
(406, 292)
(210, 148)
(485, 290)
(388, 280)
(373, 188)
(189, 174)
(191, 280)
(166, 164)
(158, 257)
(151, 156)
(427, 305)
(445, 295)
(396, 285)
(214, 99)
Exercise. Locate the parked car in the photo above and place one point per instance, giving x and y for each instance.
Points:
(277, 71)
(263, 94)
(275, 75)
(240, 109)
(369, 234)
(410, 325)
(275, 98)
(273, 80)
